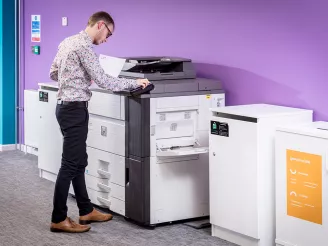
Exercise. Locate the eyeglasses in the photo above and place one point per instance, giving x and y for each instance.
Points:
(109, 32)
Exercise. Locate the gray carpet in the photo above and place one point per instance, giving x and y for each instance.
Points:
(26, 204)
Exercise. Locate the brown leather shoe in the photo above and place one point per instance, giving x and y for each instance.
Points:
(94, 216)
(68, 225)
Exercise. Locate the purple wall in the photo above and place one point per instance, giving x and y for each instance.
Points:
(262, 51)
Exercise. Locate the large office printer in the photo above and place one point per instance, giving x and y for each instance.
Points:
(147, 153)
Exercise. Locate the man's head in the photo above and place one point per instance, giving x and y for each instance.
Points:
(100, 27)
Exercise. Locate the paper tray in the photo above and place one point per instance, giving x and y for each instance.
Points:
(182, 152)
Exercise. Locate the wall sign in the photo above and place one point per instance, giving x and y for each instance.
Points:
(36, 28)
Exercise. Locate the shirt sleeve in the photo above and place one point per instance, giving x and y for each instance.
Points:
(91, 64)
(54, 69)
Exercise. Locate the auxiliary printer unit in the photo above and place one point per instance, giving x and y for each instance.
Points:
(148, 153)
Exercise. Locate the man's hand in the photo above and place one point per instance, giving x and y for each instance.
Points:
(143, 82)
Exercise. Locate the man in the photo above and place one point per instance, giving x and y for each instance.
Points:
(74, 67)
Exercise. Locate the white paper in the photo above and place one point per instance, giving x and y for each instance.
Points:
(111, 65)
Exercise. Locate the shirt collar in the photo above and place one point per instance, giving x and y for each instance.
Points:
(86, 37)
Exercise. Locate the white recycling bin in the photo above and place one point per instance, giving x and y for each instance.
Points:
(302, 185)
(241, 149)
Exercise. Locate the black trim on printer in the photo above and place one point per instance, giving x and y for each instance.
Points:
(137, 130)
(137, 190)
(137, 162)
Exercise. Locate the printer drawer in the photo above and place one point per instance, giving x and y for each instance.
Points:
(97, 197)
(117, 206)
(107, 135)
(103, 185)
(118, 192)
(105, 104)
(103, 164)
(104, 200)
(97, 184)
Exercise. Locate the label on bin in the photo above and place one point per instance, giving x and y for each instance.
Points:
(304, 186)
(219, 128)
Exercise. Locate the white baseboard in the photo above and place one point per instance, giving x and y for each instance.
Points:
(7, 147)
(19, 147)
(28, 149)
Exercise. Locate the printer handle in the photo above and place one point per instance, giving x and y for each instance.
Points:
(104, 201)
(104, 173)
(103, 186)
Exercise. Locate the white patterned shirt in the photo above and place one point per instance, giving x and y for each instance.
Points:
(76, 65)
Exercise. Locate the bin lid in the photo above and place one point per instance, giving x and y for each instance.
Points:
(317, 129)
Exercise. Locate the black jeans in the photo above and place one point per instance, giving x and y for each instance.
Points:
(73, 121)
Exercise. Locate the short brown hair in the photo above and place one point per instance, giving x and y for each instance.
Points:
(100, 16)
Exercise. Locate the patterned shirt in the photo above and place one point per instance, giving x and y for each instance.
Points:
(76, 65)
